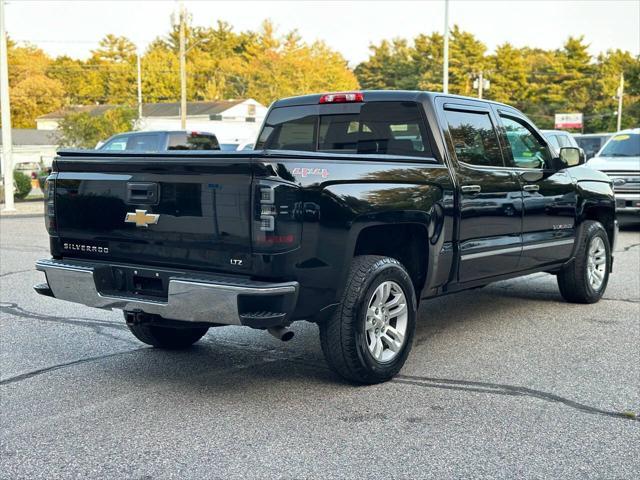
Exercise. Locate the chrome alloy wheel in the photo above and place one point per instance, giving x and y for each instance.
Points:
(596, 263)
(386, 321)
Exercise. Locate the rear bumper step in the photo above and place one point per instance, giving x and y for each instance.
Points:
(224, 301)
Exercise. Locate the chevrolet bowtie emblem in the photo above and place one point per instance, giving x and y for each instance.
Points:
(141, 218)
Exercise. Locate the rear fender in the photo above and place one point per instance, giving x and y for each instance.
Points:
(375, 205)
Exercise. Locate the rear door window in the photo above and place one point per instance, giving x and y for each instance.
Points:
(383, 128)
(474, 138)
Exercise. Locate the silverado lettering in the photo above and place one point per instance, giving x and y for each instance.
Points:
(429, 194)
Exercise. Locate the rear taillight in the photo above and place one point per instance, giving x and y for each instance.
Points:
(342, 97)
(277, 226)
(49, 204)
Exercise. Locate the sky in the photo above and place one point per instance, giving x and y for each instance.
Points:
(75, 27)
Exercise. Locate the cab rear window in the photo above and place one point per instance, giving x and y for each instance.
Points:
(192, 141)
(383, 128)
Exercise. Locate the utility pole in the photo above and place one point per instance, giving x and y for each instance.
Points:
(139, 87)
(620, 94)
(183, 70)
(481, 83)
(445, 63)
(5, 106)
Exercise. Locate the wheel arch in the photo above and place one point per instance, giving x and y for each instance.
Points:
(405, 242)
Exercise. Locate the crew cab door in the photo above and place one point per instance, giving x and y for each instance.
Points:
(549, 196)
(490, 198)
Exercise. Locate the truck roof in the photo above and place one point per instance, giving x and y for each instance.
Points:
(377, 96)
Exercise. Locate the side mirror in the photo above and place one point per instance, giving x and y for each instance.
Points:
(571, 156)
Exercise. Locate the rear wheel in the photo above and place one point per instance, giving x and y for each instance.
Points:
(169, 338)
(585, 279)
(369, 337)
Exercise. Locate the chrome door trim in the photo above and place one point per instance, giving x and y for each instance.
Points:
(501, 251)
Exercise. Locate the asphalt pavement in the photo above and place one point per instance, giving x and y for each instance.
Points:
(507, 381)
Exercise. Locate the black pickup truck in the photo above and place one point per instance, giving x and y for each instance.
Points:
(353, 209)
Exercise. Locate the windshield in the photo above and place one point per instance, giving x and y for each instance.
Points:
(622, 145)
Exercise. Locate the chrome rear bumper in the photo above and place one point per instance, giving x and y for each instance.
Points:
(208, 300)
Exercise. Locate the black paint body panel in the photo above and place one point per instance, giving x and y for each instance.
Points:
(207, 211)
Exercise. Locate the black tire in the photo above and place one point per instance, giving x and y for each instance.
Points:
(167, 337)
(343, 337)
(573, 279)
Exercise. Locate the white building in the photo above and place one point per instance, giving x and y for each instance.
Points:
(33, 146)
(232, 121)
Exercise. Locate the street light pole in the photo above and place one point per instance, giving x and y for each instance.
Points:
(139, 69)
(5, 107)
(620, 94)
(183, 71)
(445, 63)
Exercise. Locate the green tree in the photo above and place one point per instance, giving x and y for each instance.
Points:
(392, 64)
(507, 71)
(607, 79)
(400, 65)
(82, 130)
(428, 56)
(467, 60)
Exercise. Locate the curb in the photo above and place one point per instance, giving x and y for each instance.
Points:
(21, 215)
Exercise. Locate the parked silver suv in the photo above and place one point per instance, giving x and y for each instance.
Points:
(620, 159)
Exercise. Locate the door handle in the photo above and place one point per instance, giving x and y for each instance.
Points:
(142, 193)
(471, 189)
(531, 188)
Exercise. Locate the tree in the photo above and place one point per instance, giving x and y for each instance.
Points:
(284, 66)
(113, 64)
(467, 60)
(32, 97)
(160, 75)
(428, 56)
(400, 65)
(392, 64)
(82, 130)
(607, 79)
(32, 92)
(507, 72)
(115, 49)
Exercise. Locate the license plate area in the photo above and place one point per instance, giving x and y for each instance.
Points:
(132, 282)
(148, 286)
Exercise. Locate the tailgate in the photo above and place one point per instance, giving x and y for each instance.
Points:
(190, 211)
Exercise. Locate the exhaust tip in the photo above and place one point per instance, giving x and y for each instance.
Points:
(281, 333)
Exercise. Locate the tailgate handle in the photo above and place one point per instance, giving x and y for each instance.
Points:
(142, 193)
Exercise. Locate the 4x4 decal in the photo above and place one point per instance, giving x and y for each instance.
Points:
(306, 172)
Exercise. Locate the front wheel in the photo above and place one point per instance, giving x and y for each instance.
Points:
(369, 337)
(585, 279)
